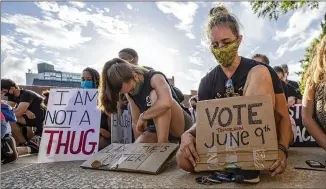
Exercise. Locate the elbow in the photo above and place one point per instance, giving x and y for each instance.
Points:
(167, 104)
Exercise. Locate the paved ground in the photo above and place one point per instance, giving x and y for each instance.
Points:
(27, 173)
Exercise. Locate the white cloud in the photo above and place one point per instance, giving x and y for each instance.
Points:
(39, 31)
(173, 51)
(293, 68)
(129, 6)
(107, 9)
(9, 68)
(306, 39)
(184, 12)
(77, 4)
(300, 21)
(190, 36)
(194, 59)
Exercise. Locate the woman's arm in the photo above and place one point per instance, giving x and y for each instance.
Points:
(307, 111)
(164, 97)
(134, 111)
(283, 123)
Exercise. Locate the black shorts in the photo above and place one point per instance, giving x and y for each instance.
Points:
(37, 122)
(188, 125)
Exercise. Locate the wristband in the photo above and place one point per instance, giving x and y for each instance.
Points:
(142, 116)
(283, 149)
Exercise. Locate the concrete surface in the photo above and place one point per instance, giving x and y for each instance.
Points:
(26, 173)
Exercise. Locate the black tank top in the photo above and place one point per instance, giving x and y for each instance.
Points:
(143, 100)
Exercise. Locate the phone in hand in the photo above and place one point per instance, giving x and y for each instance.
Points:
(315, 164)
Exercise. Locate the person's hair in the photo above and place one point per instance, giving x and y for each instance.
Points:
(7, 83)
(95, 75)
(316, 72)
(130, 51)
(278, 69)
(285, 67)
(262, 56)
(193, 98)
(115, 72)
(220, 16)
(46, 94)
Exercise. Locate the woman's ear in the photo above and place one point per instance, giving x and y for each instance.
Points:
(240, 38)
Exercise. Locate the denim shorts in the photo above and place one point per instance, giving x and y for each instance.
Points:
(3, 128)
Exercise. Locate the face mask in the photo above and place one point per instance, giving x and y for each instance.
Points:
(87, 84)
(225, 55)
(139, 86)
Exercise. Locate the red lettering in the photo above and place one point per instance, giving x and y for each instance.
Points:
(66, 145)
(93, 144)
(73, 141)
(48, 151)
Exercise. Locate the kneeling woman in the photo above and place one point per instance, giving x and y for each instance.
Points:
(156, 112)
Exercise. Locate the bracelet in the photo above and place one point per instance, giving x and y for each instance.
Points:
(142, 116)
(283, 149)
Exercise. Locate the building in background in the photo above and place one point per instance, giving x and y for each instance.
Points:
(48, 76)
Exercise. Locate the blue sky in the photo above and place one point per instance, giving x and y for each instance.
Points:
(168, 36)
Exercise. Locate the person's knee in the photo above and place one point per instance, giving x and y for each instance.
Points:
(184, 163)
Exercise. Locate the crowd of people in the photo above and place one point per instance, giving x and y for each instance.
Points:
(156, 107)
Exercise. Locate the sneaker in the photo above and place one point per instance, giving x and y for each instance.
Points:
(9, 152)
(246, 176)
(34, 143)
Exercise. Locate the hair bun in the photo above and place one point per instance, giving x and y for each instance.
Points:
(220, 9)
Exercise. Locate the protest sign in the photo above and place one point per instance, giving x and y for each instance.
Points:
(72, 125)
(302, 138)
(136, 157)
(239, 131)
(121, 128)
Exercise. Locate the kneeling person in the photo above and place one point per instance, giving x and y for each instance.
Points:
(155, 110)
(28, 110)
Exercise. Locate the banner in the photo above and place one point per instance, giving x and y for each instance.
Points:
(121, 128)
(302, 138)
(238, 132)
(72, 126)
(137, 157)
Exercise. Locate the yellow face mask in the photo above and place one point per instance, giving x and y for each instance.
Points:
(226, 54)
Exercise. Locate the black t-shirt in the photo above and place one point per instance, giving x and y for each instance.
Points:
(31, 97)
(285, 89)
(213, 85)
(295, 89)
(176, 90)
(142, 100)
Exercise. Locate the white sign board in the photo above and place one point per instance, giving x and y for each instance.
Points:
(121, 128)
(72, 126)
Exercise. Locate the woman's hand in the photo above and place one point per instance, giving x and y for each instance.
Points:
(141, 125)
(280, 165)
(187, 148)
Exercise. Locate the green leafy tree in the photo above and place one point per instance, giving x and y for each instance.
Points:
(273, 9)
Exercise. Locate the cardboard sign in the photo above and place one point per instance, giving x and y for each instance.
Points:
(72, 125)
(136, 157)
(302, 137)
(121, 128)
(237, 131)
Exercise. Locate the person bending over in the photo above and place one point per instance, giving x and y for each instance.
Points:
(28, 110)
(237, 76)
(314, 98)
(157, 116)
(90, 80)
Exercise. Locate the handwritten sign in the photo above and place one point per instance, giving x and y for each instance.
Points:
(239, 131)
(121, 128)
(72, 125)
(302, 138)
(136, 157)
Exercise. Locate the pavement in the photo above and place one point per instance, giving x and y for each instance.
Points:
(27, 173)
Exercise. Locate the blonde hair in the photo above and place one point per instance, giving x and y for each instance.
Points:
(316, 72)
